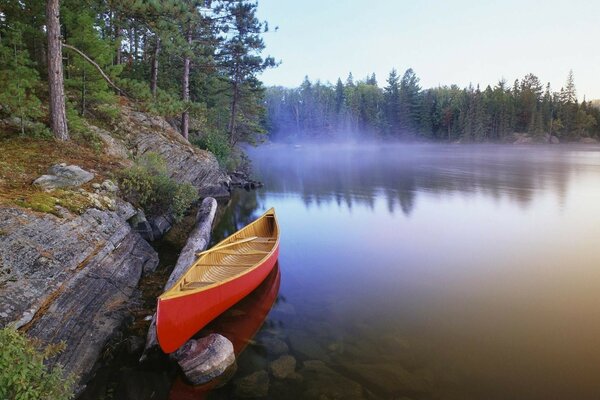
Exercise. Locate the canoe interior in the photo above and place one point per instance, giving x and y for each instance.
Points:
(230, 258)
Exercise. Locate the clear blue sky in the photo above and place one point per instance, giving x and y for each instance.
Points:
(445, 42)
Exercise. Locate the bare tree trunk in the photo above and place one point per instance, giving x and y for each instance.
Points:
(154, 78)
(58, 114)
(232, 119)
(185, 117)
(198, 240)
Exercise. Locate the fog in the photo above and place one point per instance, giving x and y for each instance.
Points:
(352, 172)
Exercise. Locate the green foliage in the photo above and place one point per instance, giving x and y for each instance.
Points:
(148, 185)
(403, 110)
(217, 143)
(23, 375)
(19, 81)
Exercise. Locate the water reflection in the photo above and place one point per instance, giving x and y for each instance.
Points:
(431, 271)
(359, 174)
(239, 324)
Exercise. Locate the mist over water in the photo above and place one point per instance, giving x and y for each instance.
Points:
(436, 271)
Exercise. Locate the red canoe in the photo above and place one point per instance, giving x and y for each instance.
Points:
(239, 324)
(218, 279)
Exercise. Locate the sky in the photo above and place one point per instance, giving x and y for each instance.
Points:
(445, 42)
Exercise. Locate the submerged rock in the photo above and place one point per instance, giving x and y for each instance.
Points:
(283, 367)
(253, 385)
(323, 382)
(205, 359)
(63, 175)
(274, 346)
(389, 379)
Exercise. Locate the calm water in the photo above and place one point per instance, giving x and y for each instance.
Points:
(431, 272)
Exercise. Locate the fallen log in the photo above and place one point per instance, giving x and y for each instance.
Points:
(197, 242)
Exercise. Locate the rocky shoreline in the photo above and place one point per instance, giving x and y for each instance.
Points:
(69, 277)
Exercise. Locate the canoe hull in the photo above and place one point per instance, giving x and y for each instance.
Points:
(180, 318)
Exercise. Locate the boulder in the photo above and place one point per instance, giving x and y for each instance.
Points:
(63, 175)
(253, 385)
(554, 140)
(185, 163)
(70, 279)
(203, 360)
(283, 367)
(588, 140)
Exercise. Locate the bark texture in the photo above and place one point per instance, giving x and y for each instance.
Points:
(58, 115)
(197, 241)
(185, 117)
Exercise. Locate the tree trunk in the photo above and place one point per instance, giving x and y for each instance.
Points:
(154, 78)
(234, 104)
(198, 240)
(185, 117)
(58, 114)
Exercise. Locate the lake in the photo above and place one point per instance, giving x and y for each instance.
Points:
(429, 272)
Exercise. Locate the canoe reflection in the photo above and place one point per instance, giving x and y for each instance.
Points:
(239, 324)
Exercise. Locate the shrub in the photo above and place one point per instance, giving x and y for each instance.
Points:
(24, 376)
(148, 185)
(217, 143)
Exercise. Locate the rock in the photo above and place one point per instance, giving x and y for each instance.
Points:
(142, 385)
(306, 346)
(322, 382)
(69, 279)
(185, 163)
(110, 186)
(140, 224)
(283, 367)
(62, 175)
(521, 138)
(253, 385)
(96, 186)
(135, 344)
(205, 359)
(112, 146)
(274, 345)
(554, 140)
(389, 380)
(160, 224)
(588, 140)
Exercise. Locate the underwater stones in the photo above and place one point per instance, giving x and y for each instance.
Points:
(306, 346)
(389, 379)
(63, 175)
(323, 382)
(274, 346)
(253, 385)
(205, 359)
(283, 367)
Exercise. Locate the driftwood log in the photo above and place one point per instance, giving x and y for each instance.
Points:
(197, 241)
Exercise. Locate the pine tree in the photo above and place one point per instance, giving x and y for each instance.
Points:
(58, 114)
(18, 78)
(392, 102)
(409, 101)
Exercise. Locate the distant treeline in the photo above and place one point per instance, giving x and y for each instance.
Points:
(403, 110)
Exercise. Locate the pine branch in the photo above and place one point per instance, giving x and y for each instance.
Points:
(102, 73)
